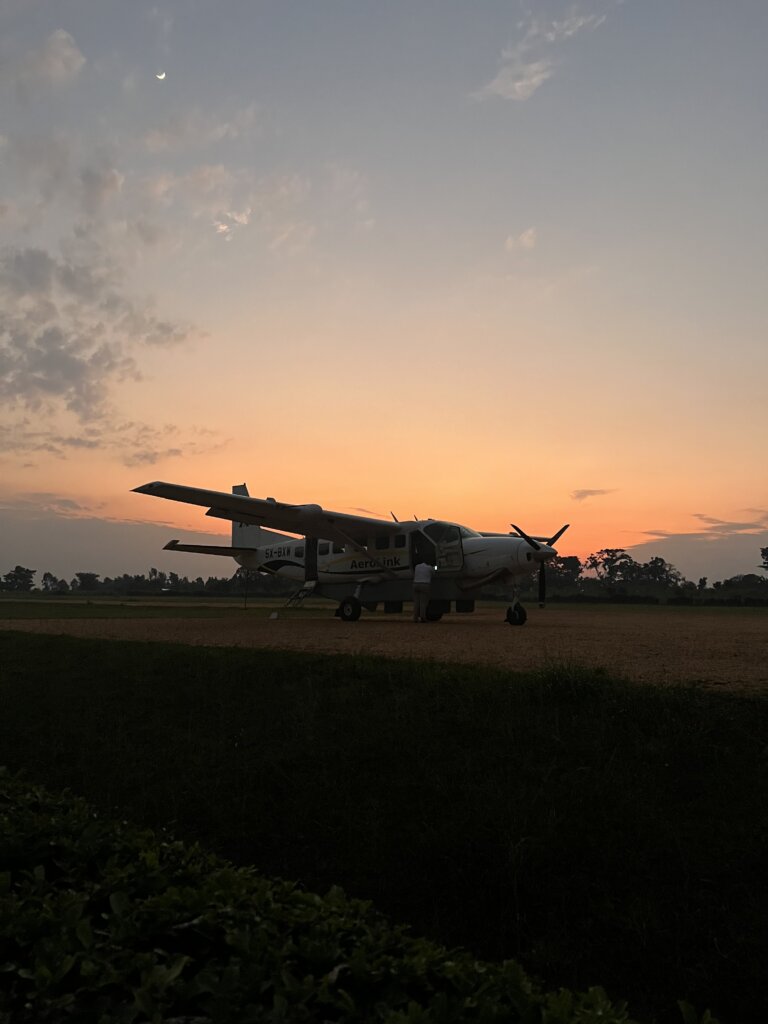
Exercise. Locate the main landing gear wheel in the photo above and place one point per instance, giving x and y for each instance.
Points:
(433, 615)
(516, 615)
(349, 609)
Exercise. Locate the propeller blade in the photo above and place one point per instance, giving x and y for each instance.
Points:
(558, 535)
(534, 545)
(542, 586)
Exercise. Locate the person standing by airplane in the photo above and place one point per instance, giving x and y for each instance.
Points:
(422, 582)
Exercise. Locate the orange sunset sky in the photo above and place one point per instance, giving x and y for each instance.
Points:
(485, 262)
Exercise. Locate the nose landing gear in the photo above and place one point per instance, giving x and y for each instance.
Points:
(516, 614)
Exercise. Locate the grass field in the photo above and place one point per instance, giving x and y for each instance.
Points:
(36, 607)
(599, 832)
(717, 648)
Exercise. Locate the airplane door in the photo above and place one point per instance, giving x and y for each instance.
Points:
(310, 559)
(448, 550)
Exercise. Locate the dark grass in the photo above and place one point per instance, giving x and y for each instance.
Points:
(159, 608)
(599, 832)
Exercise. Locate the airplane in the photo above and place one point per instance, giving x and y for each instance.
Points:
(361, 561)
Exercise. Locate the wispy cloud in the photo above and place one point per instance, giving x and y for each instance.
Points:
(230, 220)
(46, 501)
(532, 60)
(349, 193)
(292, 238)
(230, 199)
(716, 529)
(525, 240)
(72, 331)
(130, 442)
(556, 30)
(42, 165)
(197, 128)
(729, 527)
(67, 332)
(98, 185)
(518, 78)
(161, 19)
(55, 63)
(593, 492)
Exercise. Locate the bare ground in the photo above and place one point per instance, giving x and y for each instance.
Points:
(718, 648)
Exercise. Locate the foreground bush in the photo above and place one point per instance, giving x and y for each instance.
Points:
(103, 922)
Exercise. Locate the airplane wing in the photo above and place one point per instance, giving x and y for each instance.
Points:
(307, 520)
(206, 549)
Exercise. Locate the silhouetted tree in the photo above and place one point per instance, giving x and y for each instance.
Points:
(612, 567)
(20, 580)
(564, 573)
(746, 585)
(50, 583)
(87, 581)
(659, 572)
(157, 579)
(764, 554)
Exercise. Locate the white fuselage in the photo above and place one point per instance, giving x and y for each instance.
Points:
(469, 556)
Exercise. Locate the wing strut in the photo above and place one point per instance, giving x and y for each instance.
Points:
(361, 547)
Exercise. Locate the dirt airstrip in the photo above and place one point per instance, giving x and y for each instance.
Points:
(719, 648)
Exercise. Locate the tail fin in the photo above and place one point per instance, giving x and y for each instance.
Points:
(249, 535)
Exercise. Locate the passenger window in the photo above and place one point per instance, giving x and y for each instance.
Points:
(322, 549)
(338, 549)
(400, 540)
(299, 550)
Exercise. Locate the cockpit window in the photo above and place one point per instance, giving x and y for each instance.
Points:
(439, 533)
(448, 533)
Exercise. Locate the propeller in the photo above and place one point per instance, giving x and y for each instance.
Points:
(531, 541)
(558, 535)
(542, 562)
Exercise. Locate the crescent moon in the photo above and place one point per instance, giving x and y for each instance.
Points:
(161, 75)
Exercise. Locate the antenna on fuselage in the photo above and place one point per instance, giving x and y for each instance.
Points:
(394, 517)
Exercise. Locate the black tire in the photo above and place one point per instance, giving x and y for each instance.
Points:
(516, 615)
(349, 609)
(433, 615)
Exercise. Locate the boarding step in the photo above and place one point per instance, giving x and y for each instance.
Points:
(305, 590)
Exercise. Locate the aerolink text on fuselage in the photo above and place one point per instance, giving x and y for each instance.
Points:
(392, 562)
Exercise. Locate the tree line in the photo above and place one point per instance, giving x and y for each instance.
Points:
(156, 582)
(610, 574)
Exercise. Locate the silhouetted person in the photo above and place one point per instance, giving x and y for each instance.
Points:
(422, 582)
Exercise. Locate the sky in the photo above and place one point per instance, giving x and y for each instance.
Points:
(488, 262)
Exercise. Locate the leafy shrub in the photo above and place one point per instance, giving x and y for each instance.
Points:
(103, 922)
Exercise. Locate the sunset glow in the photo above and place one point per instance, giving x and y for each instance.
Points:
(489, 264)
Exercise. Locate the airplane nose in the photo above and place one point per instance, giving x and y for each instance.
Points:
(544, 553)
